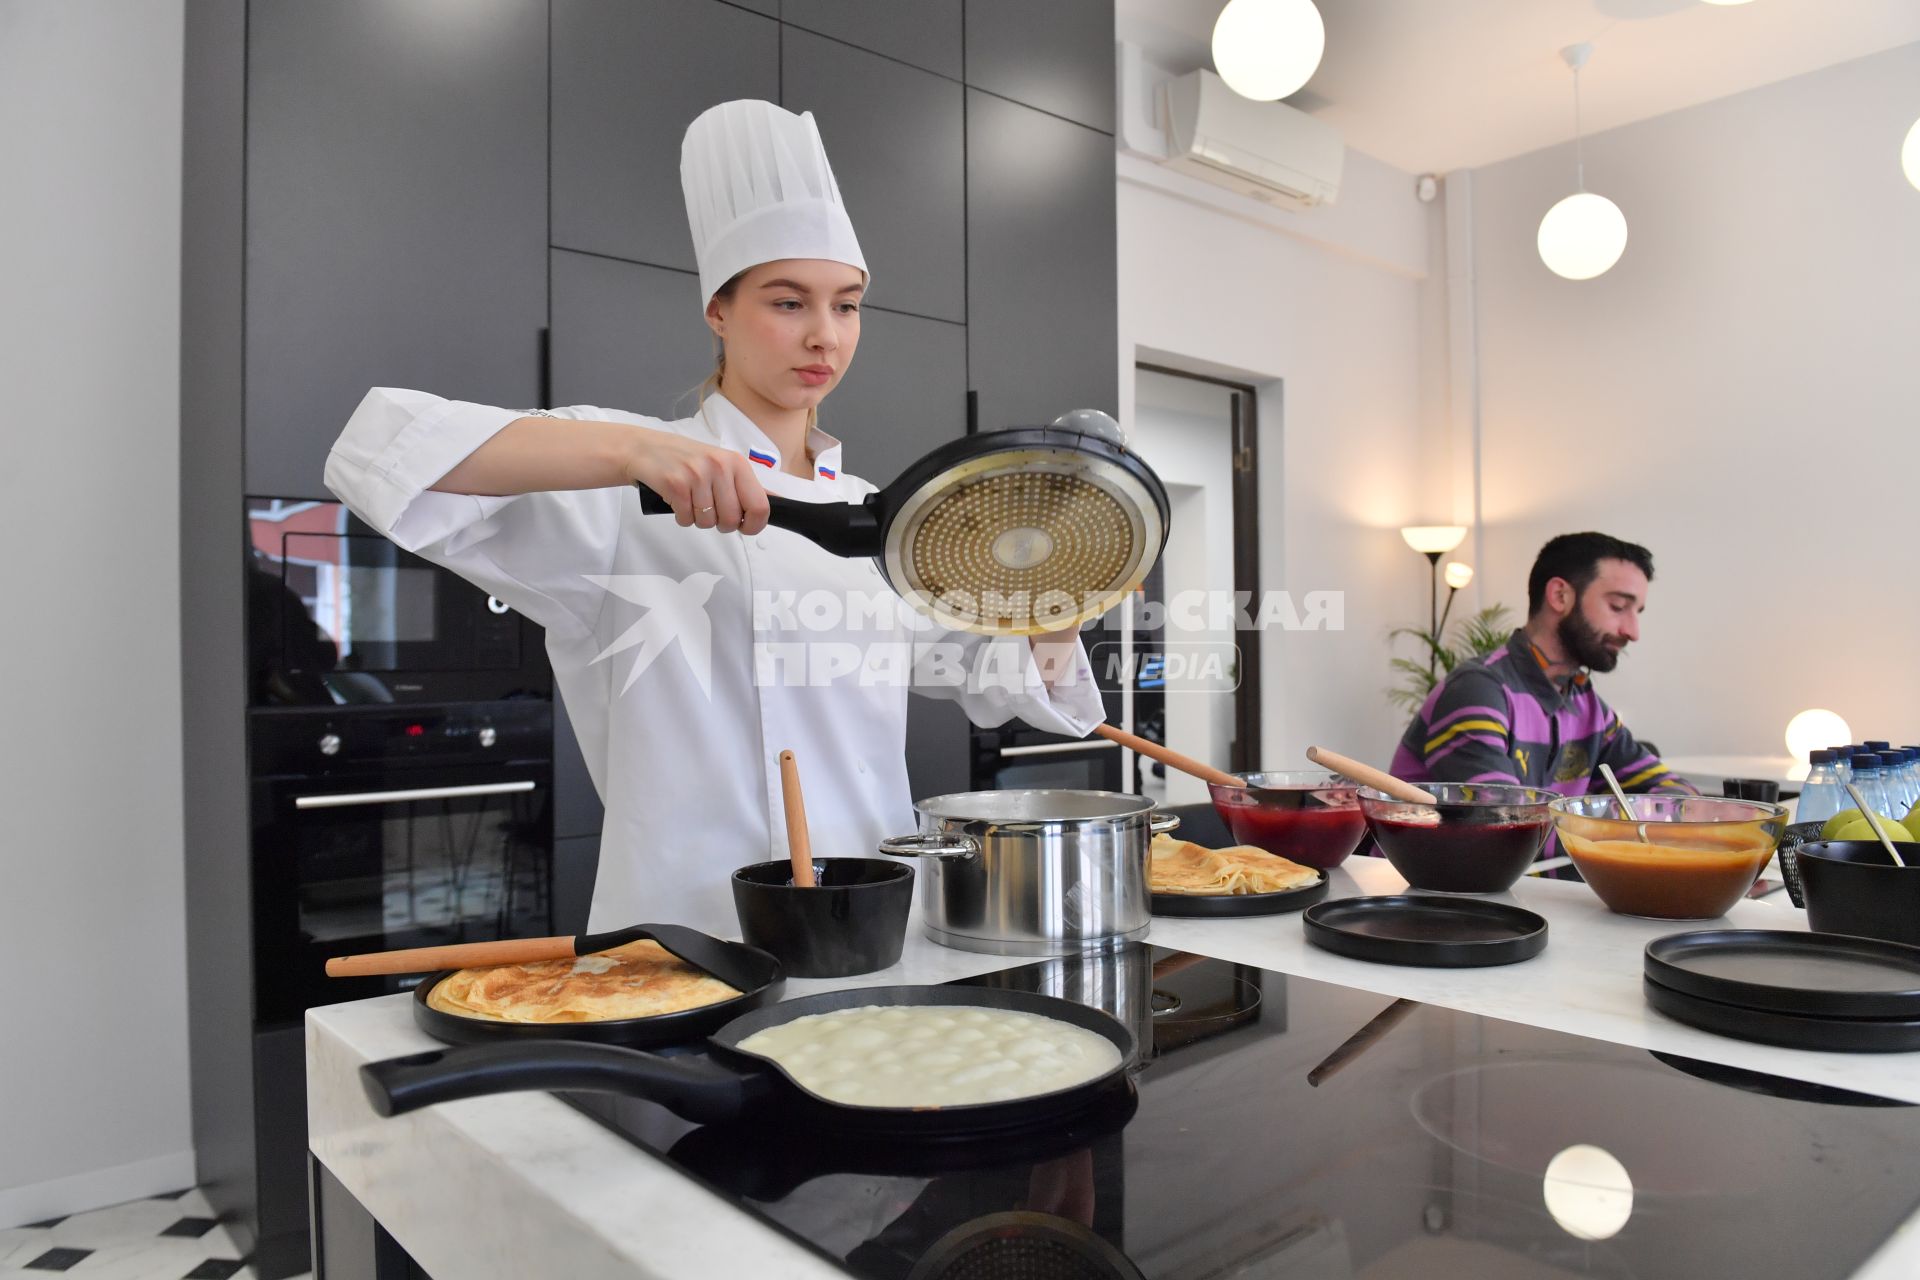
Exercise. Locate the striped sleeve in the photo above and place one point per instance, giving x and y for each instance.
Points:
(1466, 731)
(1637, 768)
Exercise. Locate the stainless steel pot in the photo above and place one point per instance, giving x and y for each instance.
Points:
(1033, 873)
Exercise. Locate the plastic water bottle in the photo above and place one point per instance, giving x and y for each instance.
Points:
(1823, 795)
(1870, 783)
(1901, 783)
(1843, 765)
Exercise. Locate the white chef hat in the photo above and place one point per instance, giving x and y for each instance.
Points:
(759, 189)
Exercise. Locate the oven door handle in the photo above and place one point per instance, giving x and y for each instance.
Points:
(347, 799)
(1057, 748)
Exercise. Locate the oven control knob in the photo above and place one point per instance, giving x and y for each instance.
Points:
(487, 735)
(330, 744)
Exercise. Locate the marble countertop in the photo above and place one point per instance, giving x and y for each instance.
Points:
(524, 1185)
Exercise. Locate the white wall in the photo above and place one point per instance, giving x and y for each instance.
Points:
(1741, 393)
(1321, 312)
(93, 1061)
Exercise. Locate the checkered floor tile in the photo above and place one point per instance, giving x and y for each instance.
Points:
(172, 1237)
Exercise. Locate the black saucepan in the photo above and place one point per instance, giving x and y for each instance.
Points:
(1003, 533)
(730, 1083)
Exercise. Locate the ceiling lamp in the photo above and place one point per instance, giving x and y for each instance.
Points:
(1585, 234)
(1910, 154)
(1267, 49)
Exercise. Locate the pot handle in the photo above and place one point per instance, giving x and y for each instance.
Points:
(1161, 823)
(942, 848)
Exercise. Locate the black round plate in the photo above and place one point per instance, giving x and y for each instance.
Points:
(1827, 975)
(1772, 1086)
(1788, 1030)
(1432, 931)
(1217, 905)
(634, 1033)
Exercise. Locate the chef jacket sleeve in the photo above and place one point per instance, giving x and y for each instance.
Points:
(532, 551)
(995, 678)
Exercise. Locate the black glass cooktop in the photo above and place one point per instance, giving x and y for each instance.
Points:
(1282, 1127)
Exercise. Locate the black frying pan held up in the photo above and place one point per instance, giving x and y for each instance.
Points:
(731, 1084)
(1003, 533)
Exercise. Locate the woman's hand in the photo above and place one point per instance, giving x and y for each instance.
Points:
(707, 487)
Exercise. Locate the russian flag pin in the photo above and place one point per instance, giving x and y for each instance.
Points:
(828, 473)
(765, 460)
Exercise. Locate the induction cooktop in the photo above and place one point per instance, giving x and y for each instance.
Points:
(1283, 1127)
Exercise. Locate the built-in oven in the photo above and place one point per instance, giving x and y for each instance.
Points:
(1015, 755)
(375, 829)
(338, 615)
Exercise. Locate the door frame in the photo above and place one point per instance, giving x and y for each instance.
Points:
(1245, 444)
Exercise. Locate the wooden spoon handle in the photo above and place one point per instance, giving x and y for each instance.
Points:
(465, 955)
(799, 848)
(1362, 1040)
(1172, 759)
(1378, 779)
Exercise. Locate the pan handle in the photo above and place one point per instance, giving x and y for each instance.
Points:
(941, 848)
(696, 1090)
(1161, 823)
(845, 528)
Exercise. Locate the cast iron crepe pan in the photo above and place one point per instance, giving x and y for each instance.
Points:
(731, 1084)
(754, 973)
(982, 531)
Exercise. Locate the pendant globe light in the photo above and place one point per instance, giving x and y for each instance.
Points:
(1910, 155)
(1267, 49)
(1585, 234)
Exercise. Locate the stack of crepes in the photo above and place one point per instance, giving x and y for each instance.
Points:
(1181, 866)
(640, 980)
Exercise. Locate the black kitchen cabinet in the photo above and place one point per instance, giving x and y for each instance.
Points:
(627, 336)
(1042, 294)
(576, 861)
(629, 77)
(896, 137)
(926, 33)
(576, 805)
(904, 394)
(396, 214)
(1057, 55)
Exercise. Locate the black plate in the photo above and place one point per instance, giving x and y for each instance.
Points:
(1828, 975)
(1772, 1086)
(1432, 931)
(1789, 1030)
(1215, 905)
(634, 1033)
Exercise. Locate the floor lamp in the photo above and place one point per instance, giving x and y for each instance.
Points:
(1434, 541)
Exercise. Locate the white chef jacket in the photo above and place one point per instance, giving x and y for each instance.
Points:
(685, 759)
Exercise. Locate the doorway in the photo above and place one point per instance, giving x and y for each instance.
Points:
(1193, 680)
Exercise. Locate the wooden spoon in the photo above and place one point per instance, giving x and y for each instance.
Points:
(1378, 779)
(1167, 756)
(798, 847)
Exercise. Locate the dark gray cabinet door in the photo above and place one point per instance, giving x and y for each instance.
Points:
(904, 394)
(576, 861)
(896, 138)
(629, 76)
(925, 33)
(1042, 299)
(1056, 55)
(627, 336)
(577, 810)
(396, 215)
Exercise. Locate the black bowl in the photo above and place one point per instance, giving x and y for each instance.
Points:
(854, 919)
(1852, 886)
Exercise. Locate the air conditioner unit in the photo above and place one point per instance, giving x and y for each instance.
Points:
(1267, 150)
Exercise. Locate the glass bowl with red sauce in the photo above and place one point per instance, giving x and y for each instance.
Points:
(1701, 854)
(1309, 816)
(1479, 838)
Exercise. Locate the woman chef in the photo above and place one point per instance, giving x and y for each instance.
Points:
(690, 660)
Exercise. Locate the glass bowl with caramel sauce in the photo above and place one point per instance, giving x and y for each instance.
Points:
(1700, 856)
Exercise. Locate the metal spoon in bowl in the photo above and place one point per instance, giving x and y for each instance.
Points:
(1620, 796)
(1873, 820)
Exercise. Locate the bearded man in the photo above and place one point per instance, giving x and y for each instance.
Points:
(1527, 712)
